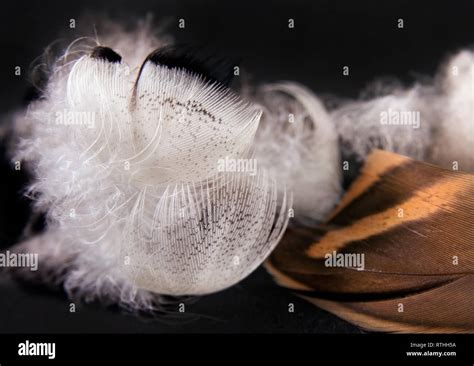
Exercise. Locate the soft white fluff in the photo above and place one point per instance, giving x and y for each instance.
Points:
(297, 142)
(362, 128)
(454, 138)
(446, 110)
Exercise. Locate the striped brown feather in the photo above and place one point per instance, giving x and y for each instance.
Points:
(413, 225)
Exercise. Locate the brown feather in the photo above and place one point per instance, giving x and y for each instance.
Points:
(413, 224)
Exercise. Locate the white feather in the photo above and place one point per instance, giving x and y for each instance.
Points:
(136, 200)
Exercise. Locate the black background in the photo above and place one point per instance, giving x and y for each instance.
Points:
(327, 36)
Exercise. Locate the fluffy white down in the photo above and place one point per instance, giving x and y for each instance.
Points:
(359, 124)
(454, 138)
(446, 114)
(297, 142)
(135, 204)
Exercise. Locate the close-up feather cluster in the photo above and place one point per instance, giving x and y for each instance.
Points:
(157, 180)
